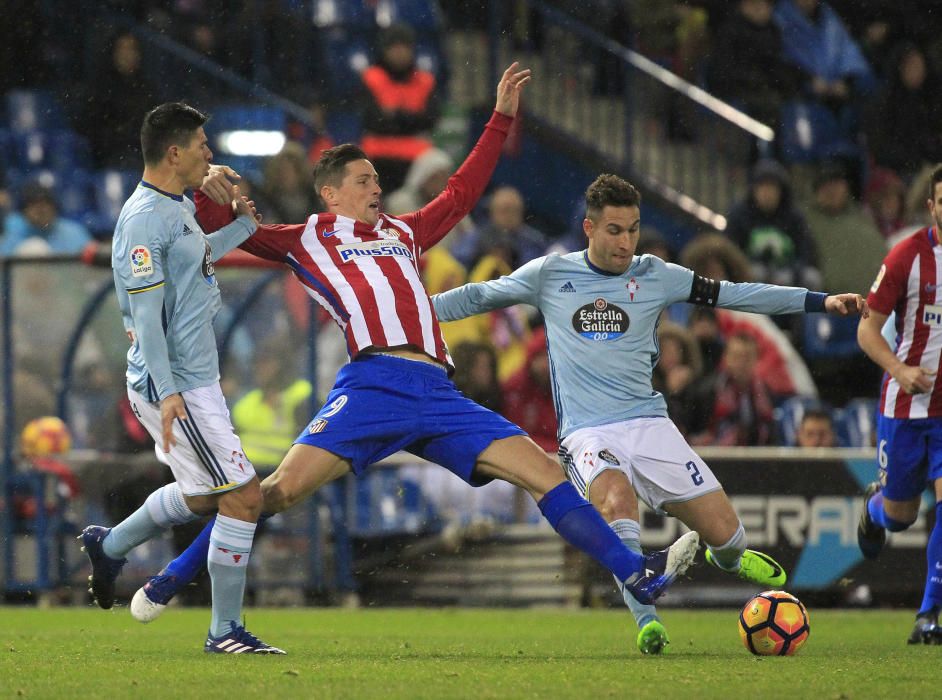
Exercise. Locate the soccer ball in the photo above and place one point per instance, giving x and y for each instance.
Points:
(774, 623)
(45, 436)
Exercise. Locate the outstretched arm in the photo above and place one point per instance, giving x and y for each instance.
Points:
(466, 186)
(521, 287)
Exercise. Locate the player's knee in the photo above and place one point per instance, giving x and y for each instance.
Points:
(201, 505)
(275, 497)
(618, 502)
(244, 503)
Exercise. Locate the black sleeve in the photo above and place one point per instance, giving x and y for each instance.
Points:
(703, 291)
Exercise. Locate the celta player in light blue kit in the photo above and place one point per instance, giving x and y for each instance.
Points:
(168, 296)
(601, 308)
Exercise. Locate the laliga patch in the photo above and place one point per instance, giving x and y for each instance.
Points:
(317, 426)
(876, 283)
(607, 456)
(141, 263)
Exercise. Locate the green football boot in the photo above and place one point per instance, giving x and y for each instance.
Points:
(652, 638)
(756, 567)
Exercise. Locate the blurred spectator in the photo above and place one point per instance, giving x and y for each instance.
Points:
(713, 255)
(508, 330)
(400, 106)
(816, 429)
(288, 186)
(528, 395)
(506, 230)
(269, 417)
(428, 175)
(425, 180)
(705, 330)
(741, 406)
(313, 136)
(817, 42)
(748, 68)
(652, 242)
(476, 374)
(679, 368)
(37, 228)
(885, 199)
(902, 122)
(111, 116)
(849, 245)
(773, 232)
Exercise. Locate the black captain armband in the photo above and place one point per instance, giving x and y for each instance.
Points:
(704, 291)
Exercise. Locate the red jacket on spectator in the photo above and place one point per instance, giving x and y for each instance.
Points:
(528, 396)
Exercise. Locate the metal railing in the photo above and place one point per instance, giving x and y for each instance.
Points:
(652, 125)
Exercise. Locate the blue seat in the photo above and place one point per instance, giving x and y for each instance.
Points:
(55, 149)
(7, 153)
(826, 336)
(788, 417)
(344, 127)
(235, 117)
(422, 15)
(110, 189)
(343, 13)
(71, 189)
(810, 132)
(29, 110)
(856, 424)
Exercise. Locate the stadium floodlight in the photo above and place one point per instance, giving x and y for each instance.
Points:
(244, 142)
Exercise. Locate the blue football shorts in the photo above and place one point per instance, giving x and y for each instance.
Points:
(909, 452)
(381, 404)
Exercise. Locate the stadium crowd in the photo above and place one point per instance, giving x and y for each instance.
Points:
(729, 379)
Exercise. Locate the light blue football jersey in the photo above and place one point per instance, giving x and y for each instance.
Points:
(601, 328)
(167, 292)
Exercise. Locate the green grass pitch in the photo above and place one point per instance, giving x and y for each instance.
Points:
(409, 653)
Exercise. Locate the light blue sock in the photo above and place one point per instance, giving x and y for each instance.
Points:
(163, 509)
(230, 544)
(629, 532)
(728, 555)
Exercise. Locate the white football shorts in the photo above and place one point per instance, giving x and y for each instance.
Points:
(650, 451)
(208, 457)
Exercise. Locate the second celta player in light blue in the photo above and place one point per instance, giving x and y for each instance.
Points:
(601, 308)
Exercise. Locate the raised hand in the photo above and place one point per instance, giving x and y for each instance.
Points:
(846, 305)
(509, 87)
(217, 185)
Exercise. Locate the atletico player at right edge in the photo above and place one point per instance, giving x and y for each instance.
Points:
(909, 428)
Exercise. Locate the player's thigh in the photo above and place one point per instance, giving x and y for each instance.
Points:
(207, 459)
(712, 515)
(596, 462)
(906, 462)
(613, 496)
(664, 468)
(303, 471)
(521, 462)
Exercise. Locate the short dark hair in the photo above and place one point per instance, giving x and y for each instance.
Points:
(934, 180)
(610, 190)
(332, 165)
(169, 124)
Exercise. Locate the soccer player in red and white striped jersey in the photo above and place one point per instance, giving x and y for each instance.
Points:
(909, 432)
(395, 393)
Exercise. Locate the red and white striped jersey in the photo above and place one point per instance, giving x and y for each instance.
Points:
(910, 283)
(367, 278)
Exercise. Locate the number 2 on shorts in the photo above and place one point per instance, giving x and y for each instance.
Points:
(694, 473)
